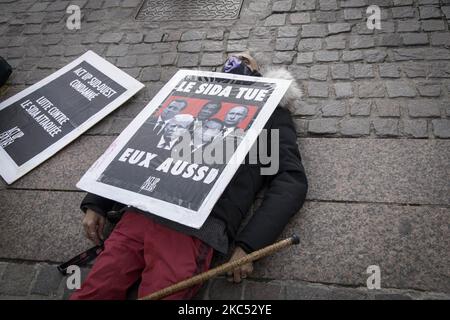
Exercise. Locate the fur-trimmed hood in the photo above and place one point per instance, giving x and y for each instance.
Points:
(293, 93)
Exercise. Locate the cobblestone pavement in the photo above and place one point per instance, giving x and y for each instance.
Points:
(373, 129)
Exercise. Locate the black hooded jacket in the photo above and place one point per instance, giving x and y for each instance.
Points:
(284, 195)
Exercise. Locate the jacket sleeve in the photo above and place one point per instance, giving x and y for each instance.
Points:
(285, 194)
(96, 203)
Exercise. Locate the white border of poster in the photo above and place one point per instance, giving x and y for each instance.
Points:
(188, 217)
(9, 169)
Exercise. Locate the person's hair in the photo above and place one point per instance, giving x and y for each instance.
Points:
(217, 121)
(217, 103)
(239, 105)
(184, 102)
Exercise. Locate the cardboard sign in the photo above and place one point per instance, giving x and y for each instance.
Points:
(161, 163)
(42, 119)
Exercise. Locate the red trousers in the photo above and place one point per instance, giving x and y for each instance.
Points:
(140, 248)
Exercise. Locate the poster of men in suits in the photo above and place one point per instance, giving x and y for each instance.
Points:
(177, 156)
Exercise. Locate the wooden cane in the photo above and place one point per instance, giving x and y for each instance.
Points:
(202, 277)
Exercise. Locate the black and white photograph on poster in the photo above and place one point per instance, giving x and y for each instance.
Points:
(39, 121)
(177, 156)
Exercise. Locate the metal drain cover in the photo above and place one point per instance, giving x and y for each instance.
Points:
(183, 10)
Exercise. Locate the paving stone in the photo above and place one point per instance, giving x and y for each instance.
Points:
(282, 6)
(187, 60)
(360, 42)
(260, 45)
(303, 108)
(343, 90)
(361, 70)
(438, 54)
(190, 46)
(239, 34)
(353, 55)
(169, 36)
(117, 50)
(428, 12)
(410, 25)
(287, 32)
(355, 127)
(327, 56)
(110, 37)
(360, 108)
(153, 36)
(375, 55)
(389, 70)
(334, 28)
(333, 109)
(236, 46)
(414, 70)
(415, 128)
(391, 40)
(299, 72)
(314, 30)
(47, 281)
(17, 278)
(318, 89)
(415, 38)
(322, 126)
(446, 11)
(285, 44)
(328, 5)
(403, 12)
(284, 57)
(300, 18)
(371, 89)
(326, 16)
(335, 42)
(301, 127)
(304, 5)
(391, 297)
(309, 44)
(212, 59)
(397, 89)
(441, 128)
(421, 108)
(385, 127)
(275, 20)
(263, 291)
(150, 74)
(347, 294)
(215, 34)
(439, 70)
(221, 289)
(340, 71)
(213, 46)
(440, 39)
(433, 25)
(429, 89)
(307, 293)
(319, 72)
(147, 60)
(192, 35)
(387, 108)
(352, 14)
(353, 3)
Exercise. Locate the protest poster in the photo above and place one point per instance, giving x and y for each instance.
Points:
(157, 164)
(42, 119)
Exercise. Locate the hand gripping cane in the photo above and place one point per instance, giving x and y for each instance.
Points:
(202, 277)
